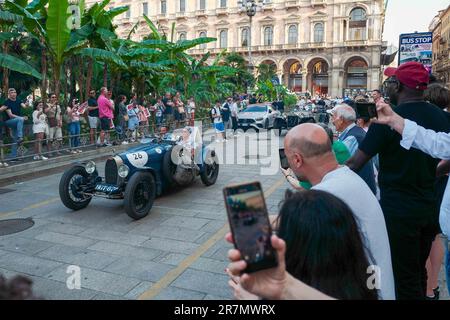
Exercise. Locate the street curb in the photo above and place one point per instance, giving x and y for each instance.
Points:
(32, 170)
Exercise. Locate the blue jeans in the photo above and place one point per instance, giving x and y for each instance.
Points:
(74, 131)
(159, 120)
(16, 125)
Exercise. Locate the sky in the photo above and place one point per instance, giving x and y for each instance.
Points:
(408, 16)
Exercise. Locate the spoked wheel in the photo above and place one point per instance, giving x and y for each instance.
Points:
(211, 171)
(71, 187)
(139, 195)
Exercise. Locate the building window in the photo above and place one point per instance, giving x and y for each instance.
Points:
(202, 35)
(356, 74)
(268, 36)
(358, 24)
(145, 8)
(245, 37)
(318, 32)
(223, 39)
(182, 36)
(128, 13)
(202, 4)
(293, 34)
(223, 3)
(163, 6)
(182, 5)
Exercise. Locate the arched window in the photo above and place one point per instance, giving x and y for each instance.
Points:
(292, 34)
(268, 36)
(202, 35)
(318, 32)
(357, 24)
(182, 36)
(245, 39)
(356, 74)
(223, 39)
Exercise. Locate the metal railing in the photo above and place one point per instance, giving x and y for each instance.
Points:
(25, 151)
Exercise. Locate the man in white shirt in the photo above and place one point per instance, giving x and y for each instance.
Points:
(234, 115)
(308, 150)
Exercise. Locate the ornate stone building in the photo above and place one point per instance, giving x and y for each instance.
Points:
(440, 26)
(319, 46)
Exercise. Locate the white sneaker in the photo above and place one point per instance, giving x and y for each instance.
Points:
(79, 151)
(44, 158)
(125, 142)
(36, 158)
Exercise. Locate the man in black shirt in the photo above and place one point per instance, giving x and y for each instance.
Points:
(93, 116)
(168, 113)
(14, 118)
(406, 180)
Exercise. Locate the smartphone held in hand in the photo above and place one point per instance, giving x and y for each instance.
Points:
(250, 225)
(366, 110)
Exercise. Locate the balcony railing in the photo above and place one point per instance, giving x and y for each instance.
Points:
(222, 11)
(318, 2)
(291, 4)
(161, 16)
(181, 15)
(200, 13)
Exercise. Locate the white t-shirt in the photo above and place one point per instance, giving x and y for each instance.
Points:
(214, 111)
(350, 188)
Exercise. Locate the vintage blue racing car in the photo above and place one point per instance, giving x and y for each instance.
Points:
(140, 174)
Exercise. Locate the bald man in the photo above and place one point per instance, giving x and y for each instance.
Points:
(344, 119)
(310, 157)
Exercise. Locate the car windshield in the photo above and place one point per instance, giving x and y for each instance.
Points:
(255, 109)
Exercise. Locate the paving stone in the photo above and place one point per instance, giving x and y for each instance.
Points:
(104, 296)
(125, 250)
(213, 226)
(53, 290)
(139, 268)
(25, 264)
(171, 245)
(210, 265)
(205, 237)
(78, 256)
(114, 236)
(15, 243)
(171, 258)
(186, 222)
(59, 227)
(176, 233)
(173, 293)
(137, 291)
(205, 282)
(173, 210)
(213, 297)
(68, 240)
(98, 280)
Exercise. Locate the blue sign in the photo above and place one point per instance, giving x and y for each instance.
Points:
(416, 47)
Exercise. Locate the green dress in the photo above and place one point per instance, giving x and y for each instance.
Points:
(342, 154)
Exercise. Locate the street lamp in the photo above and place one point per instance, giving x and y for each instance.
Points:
(250, 7)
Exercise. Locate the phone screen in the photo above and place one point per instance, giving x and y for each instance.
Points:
(366, 110)
(283, 160)
(250, 225)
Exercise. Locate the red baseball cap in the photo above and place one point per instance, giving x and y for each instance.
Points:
(412, 74)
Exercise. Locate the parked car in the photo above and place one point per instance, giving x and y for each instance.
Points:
(257, 116)
(138, 175)
(292, 119)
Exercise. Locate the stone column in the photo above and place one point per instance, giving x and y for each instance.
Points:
(336, 86)
(304, 80)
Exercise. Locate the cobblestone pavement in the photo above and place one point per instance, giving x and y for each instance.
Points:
(176, 252)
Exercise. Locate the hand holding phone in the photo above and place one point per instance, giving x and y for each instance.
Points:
(250, 225)
(283, 159)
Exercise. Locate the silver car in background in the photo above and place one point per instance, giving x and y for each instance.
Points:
(257, 116)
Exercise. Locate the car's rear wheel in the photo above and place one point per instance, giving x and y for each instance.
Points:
(139, 195)
(211, 169)
(71, 187)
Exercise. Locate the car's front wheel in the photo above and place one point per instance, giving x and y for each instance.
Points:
(140, 193)
(71, 187)
(211, 170)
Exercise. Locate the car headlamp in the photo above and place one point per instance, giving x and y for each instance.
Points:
(123, 171)
(90, 167)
